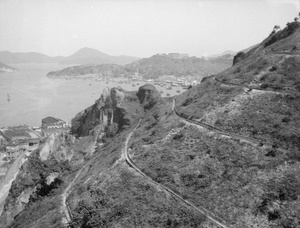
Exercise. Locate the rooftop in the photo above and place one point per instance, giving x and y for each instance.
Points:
(22, 131)
(51, 120)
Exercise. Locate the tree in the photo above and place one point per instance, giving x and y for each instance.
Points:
(275, 29)
(296, 19)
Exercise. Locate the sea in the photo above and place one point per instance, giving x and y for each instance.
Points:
(27, 95)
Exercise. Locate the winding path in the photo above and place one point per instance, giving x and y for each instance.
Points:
(213, 218)
(285, 56)
(256, 88)
(222, 132)
(68, 215)
(215, 129)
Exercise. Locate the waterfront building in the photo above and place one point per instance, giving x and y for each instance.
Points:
(54, 126)
(19, 139)
(52, 122)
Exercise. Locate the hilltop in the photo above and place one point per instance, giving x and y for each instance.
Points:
(93, 56)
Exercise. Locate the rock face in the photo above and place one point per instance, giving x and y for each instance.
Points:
(108, 111)
(238, 57)
(39, 175)
(148, 96)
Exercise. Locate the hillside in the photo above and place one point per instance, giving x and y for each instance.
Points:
(86, 182)
(153, 67)
(105, 70)
(6, 68)
(225, 154)
(159, 65)
(258, 100)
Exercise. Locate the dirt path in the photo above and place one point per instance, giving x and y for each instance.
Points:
(65, 194)
(250, 140)
(262, 73)
(213, 218)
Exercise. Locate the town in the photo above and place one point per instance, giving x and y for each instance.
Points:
(21, 139)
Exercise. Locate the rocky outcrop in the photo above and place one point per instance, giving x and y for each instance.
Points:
(39, 175)
(238, 57)
(108, 111)
(148, 96)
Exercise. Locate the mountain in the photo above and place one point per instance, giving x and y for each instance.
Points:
(153, 67)
(92, 56)
(6, 68)
(230, 52)
(29, 57)
(225, 153)
(106, 70)
(83, 56)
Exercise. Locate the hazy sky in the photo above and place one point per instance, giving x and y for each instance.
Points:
(139, 27)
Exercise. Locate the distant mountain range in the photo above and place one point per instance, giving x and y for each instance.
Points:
(83, 56)
(29, 57)
(153, 67)
(6, 68)
(230, 52)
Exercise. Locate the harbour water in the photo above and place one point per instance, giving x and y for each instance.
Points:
(27, 96)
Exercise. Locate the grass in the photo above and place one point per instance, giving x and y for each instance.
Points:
(231, 178)
(112, 197)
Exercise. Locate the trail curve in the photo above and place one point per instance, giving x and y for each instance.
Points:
(213, 218)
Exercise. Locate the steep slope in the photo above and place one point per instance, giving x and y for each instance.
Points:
(258, 96)
(97, 189)
(256, 103)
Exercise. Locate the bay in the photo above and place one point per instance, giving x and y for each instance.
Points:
(27, 96)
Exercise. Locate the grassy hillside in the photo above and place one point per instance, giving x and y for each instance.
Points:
(257, 97)
(231, 146)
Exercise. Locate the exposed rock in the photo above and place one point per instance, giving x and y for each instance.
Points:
(41, 173)
(148, 96)
(108, 112)
(56, 145)
(238, 57)
(51, 178)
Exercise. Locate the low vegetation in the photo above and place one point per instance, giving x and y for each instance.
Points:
(246, 185)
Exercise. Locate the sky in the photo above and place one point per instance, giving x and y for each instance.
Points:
(139, 28)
